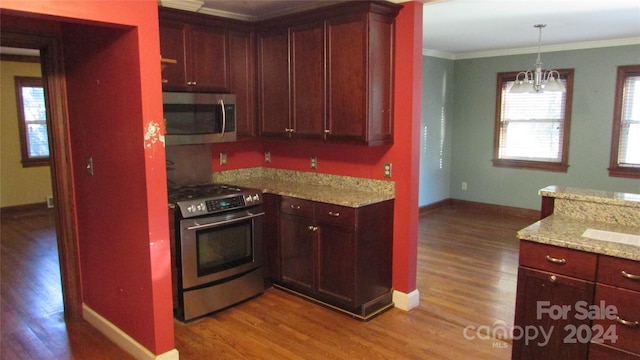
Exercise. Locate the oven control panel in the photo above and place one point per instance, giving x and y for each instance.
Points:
(199, 207)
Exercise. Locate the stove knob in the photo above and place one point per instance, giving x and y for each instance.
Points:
(202, 207)
(191, 208)
(256, 197)
(248, 199)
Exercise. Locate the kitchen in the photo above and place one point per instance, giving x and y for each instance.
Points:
(355, 163)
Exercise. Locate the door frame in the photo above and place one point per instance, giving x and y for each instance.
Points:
(53, 76)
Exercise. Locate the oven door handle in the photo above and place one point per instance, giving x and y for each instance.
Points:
(225, 222)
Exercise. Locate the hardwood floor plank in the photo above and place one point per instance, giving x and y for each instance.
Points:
(467, 268)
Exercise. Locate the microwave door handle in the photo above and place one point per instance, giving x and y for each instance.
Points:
(224, 118)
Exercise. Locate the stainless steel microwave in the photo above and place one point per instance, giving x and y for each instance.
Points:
(199, 118)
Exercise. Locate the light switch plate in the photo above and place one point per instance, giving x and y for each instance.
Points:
(223, 158)
(267, 157)
(314, 162)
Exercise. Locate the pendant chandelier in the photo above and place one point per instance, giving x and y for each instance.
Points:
(538, 80)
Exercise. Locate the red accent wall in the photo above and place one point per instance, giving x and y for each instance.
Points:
(111, 55)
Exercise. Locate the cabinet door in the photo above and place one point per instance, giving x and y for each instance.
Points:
(307, 81)
(273, 66)
(242, 83)
(296, 250)
(625, 323)
(347, 67)
(173, 46)
(210, 59)
(336, 264)
(535, 289)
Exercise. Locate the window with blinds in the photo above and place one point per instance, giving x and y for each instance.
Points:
(32, 118)
(625, 142)
(532, 129)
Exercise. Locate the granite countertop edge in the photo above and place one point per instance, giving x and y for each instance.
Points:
(596, 196)
(567, 232)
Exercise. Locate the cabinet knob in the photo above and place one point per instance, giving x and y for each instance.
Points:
(335, 214)
(327, 131)
(553, 278)
(313, 228)
(295, 207)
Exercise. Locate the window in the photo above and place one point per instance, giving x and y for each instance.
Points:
(532, 129)
(32, 121)
(625, 142)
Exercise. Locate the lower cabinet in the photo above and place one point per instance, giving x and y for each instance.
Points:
(337, 255)
(587, 302)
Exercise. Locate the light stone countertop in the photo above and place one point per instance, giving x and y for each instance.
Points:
(322, 193)
(594, 196)
(567, 232)
(333, 189)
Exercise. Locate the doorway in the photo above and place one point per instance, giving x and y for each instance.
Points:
(57, 123)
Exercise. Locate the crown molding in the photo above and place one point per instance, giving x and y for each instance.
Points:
(533, 50)
(188, 5)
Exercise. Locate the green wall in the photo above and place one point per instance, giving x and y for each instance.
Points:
(473, 125)
(435, 127)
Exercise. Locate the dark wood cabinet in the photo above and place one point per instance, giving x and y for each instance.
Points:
(560, 289)
(242, 80)
(360, 78)
(338, 255)
(202, 55)
(307, 81)
(553, 290)
(338, 83)
(273, 105)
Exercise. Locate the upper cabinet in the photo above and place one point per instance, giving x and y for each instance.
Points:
(212, 54)
(202, 54)
(324, 74)
(333, 77)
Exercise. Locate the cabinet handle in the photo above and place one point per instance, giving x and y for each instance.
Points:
(327, 131)
(334, 214)
(629, 276)
(555, 260)
(313, 228)
(631, 324)
(192, 83)
(295, 207)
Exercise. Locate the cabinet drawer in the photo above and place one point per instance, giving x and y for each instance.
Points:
(558, 260)
(335, 214)
(295, 206)
(619, 272)
(627, 323)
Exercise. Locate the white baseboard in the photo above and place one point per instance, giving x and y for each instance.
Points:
(404, 301)
(124, 341)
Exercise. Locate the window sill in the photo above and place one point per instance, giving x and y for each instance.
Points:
(625, 172)
(531, 165)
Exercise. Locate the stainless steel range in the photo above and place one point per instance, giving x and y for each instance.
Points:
(218, 247)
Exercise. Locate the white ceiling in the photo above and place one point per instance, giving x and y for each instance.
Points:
(458, 29)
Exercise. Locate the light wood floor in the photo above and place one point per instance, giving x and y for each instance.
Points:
(467, 263)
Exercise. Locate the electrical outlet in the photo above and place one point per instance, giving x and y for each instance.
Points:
(267, 157)
(464, 185)
(314, 162)
(223, 158)
(387, 170)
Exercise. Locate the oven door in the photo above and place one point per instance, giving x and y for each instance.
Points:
(221, 247)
